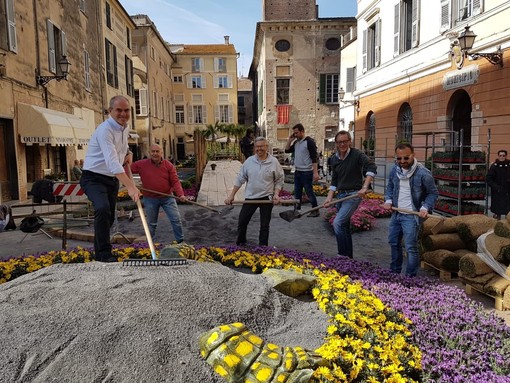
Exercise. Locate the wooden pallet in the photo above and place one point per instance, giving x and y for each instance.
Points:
(444, 275)
(498, 301)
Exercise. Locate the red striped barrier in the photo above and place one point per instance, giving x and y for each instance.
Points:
(67, 189)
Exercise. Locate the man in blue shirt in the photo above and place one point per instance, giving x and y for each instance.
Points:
(103, 169)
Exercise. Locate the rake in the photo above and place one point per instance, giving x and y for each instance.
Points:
(227, 209)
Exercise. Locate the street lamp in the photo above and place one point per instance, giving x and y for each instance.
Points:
(466, 41)
(341, 95)
(63, 65)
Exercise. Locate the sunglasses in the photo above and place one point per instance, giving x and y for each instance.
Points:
(406, 158)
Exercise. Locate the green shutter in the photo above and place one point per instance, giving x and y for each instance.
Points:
(322, 89)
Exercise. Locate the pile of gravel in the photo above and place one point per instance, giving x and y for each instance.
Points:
(98, 322)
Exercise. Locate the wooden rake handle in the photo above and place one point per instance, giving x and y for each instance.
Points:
(187, 201)
(266, 202)
(407, 211)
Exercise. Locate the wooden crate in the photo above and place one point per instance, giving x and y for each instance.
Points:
(444, 275)
(498, 301)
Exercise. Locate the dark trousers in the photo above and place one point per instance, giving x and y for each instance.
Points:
(102, 192)
(304, 180)
(245, 215)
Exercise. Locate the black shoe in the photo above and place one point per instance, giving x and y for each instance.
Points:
(108, 260)
(315, 213)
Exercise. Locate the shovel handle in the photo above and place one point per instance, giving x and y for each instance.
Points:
(174, 197)
(407, 211)
(334, 201)
(266, 202)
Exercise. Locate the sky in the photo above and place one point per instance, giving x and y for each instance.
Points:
(207, 21)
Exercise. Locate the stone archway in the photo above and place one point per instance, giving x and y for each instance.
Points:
(459, 108)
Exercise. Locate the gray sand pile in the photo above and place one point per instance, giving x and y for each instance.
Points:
(108, 323)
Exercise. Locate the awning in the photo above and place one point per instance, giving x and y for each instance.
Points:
(43, 126)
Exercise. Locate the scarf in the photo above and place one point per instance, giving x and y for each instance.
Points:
(410, 172)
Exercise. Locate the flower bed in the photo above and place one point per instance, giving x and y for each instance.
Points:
(365, 215)
(382, 326)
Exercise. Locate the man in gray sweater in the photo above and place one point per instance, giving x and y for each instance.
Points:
(264, 177)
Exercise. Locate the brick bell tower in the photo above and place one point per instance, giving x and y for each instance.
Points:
(289, 10)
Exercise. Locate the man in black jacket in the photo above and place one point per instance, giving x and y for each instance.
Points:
(305, 162)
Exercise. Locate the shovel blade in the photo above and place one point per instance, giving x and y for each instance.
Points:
(289, 215)
(226, 210)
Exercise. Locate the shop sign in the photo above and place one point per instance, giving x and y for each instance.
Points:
(457, 79)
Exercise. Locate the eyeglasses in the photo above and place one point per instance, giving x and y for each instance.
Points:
(343, 142)
(406, 158)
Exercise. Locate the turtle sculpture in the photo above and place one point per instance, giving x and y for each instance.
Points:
(240, 356)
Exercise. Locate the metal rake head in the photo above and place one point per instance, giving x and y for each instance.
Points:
(154, 262)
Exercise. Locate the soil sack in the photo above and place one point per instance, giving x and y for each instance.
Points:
(443, 259)
(470, 227)
(471, 265)
(448, 241)
(496, 286)
(479, 281)
(447, 226)
(498, 247)
(502, 229)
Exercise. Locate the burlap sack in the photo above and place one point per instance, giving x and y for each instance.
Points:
(443, 259)
(449, 241)
(477, 282)
(471, 265)
(496, 286)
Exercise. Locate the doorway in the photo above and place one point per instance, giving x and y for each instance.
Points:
(8, 164)
(461, 108)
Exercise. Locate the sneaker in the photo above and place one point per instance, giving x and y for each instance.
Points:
(315, 213)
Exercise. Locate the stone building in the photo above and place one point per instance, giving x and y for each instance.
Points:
(295, 70)
(60, 62)
(205, 89)
(245, 102)
(153, 63)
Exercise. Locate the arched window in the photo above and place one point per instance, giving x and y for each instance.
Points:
(369, 142)
(405, 124)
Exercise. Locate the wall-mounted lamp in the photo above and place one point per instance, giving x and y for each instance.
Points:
(341, 95)
(465, 42)
(63, 65)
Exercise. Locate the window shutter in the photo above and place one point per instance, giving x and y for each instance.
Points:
(229, 82)
(349, 85)
(189, 82)
(446, 15)
(365, 50)
(415, 32)
(115, 69)
(190, 114)
(216, 64)
(322, 89)
(477, 7)
(217, 112)
(52, 62)
(201, 65)
(86, 62)
(216, 82)
(396, 31)
(143, 102)
(63, 44)
(377, 49)
(11, 30)
(204, 114)
(203, 82)
(230, 114)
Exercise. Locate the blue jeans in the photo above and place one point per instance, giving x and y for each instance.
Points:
(102, 192)
(342, 223)
(169, 206)
(406, 227)
(304, 180)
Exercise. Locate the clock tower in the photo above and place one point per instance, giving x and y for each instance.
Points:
(289, 10)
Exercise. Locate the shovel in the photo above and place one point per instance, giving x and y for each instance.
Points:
(187, 201)
(253, 202)
(434, 229)
(291, 215)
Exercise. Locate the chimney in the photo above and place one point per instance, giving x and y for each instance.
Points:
(227, 38)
